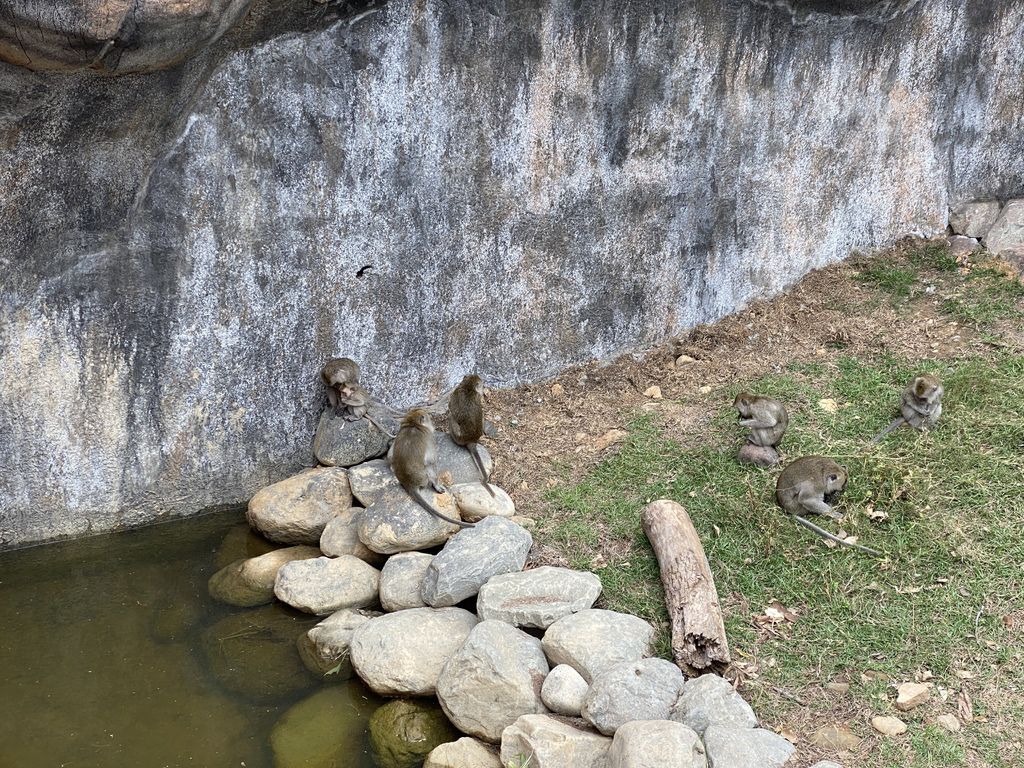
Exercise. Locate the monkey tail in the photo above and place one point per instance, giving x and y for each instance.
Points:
(474, 451)
(897, 422)
(825, 534)
(422, 501)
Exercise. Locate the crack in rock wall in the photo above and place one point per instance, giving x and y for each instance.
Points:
(509, 187)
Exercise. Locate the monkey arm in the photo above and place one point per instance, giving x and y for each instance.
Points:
(758, 423)
(810, 501)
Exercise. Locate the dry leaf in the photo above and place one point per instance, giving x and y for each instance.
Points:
(964, 707)
(610, 437)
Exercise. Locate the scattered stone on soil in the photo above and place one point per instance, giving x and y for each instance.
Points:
(837, 738)
(974, 219)
(910, 695)
(467, 752)
(341, 537)
(653, 392)
(888, 726)
(728, 747)
(403, 732)
(539, 597)
(394, 522)
(494, 679)
(319, 731)
(295, 510)
(758, 455)
(327, 584)
(325, 647)
(474, 502)
(684, 360)
(656, 744)
(632, 690)
(838, 687)
(564, 690)
(962, 246)
(402, 654)
(471, 557)
(711, 700)
(550, 743)
(250, 582)
(826, 764)
(401, 580)
(342, 443)
(948, 722)
(593, 640)
(1007, 233)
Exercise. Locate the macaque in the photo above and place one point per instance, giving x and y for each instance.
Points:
(345, 394)
(764, 417)
(920, 405)
(466, 420)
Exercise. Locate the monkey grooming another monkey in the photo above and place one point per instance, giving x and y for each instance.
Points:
(806, 486)
(346, 395)
(466, 420)
(767, 420)
(920, 405)
(414, 461)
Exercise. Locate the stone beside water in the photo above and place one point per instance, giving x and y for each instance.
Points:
(327, 584)
(341, 537)
(401, 580)
(394, 522)
(342, 443)
(296, 510)
(324, 648)
(551, 743)
(467, 752)
(250, 582)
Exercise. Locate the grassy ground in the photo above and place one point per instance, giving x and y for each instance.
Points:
(946, 602)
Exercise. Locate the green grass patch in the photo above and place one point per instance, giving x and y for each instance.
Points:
(985, 296)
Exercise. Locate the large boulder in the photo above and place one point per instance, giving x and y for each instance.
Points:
(475, 502)
(404, 732)
(324, 648)
(341, 537)
(401, 580)
(974, 219)
(467, 752)
(250, 582)
(564, 691)
(594, 640)
(550, 743)
(711, 700)
(1007, 233)
(295, 511)
(342, 443)
(402, 654)
(728, 747)
(492, 680)
(327, 584)
(656, 744)
(394, 522)
(537, 598)
(632, 690)
(320, 731)
(471, 557)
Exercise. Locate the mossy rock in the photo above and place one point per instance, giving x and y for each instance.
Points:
(322, 731)
(403, 732)
(239, 543)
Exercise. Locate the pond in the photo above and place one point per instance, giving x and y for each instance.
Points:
(113, 654)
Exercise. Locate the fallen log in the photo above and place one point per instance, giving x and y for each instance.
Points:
(698, 632)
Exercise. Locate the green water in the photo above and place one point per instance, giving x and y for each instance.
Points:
(105, 659)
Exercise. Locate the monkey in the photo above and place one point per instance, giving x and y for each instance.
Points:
(413, 459)
(346, 395)
(466, 421)
(808, 485)
(766, 418)
(920, 405)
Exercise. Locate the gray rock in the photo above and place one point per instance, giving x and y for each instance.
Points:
(250, 582)
(370, 479)
(710, 700)
(403, 653)
(826, 764)
(728, 747)
(341, 537)
(471, 557)
(974, 219)
(1007, 234)
(395, 523)
(467, 752)
(404, 732)
(539, 597)
(961, 246)
(656, 744)
(327, 584)
(564, 691)
(319, 731)
(632, 690)
(342, 443)
(594, 640)
(494, 679)
(325, 647)
(550, 743)
(757, 455)
(474, 502)
(401, 580)
(295, 511)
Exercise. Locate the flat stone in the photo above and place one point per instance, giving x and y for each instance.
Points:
(728, 747)
(711, 700)
(295, 511)
(656, 744)
(974, 219)
(324, 648)
(370, 479)
(401, 580)
(1007, 233)
(319, 731)
(342, 443)
(404, 732)
(962, 246)
(564, 691)
(539, 597)
(471, 557)
(395, 523)
(550, 743)
(757, 455)
(632, 690)
(467, 752)
(837, 738)
(826, 764)
(341, 537)
(493, 680)
(474, 502)
(250, 582)
(593, 640)
(327, 584)
(948, 722)
(887, 726)
(910, 695)
(402, 654)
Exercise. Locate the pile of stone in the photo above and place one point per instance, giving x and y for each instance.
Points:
(520, 662)
(999, 228)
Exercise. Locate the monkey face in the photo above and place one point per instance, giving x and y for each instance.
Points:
(742, 405)
(473, 382)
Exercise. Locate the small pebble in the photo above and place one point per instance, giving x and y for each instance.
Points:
(888, 726)
(653, 392)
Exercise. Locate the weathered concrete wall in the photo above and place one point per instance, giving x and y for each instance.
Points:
(508, 186)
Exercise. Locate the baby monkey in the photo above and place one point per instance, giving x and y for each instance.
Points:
(920, 405)
(414, 461)
(807, 485)
(767, 419)
(346, 395)
(466, 420)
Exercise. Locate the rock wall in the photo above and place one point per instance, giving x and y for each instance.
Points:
(438, 186)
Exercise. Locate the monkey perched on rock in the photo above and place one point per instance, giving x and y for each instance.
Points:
(767, 420)
(807, 485)
(414, 461)
(920, 405)
(346, 395)
(466, 420)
